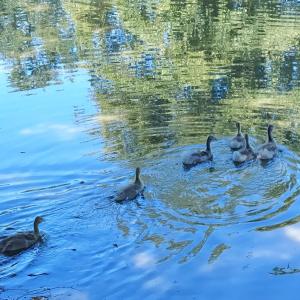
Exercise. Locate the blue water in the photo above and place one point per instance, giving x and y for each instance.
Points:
(91, 90)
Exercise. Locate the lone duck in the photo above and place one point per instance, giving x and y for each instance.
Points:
(200, 156)
(269, 149)
(238, 141)
(132, 190)
(244, 154)
(21, 241)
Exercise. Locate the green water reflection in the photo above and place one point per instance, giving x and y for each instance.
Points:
(163, 72)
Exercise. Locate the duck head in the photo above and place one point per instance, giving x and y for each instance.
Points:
(210, 138)
(270, 128)
(38, 220)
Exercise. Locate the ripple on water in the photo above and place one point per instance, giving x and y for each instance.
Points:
(220, 193)
(179, 213)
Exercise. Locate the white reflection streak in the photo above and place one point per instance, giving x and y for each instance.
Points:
(144, 260)
(270, 254)
(207, 268)
(158, 283)
(63, 131)
(65, 293)
(293, 232)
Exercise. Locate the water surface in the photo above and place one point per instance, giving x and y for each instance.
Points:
(92, 89)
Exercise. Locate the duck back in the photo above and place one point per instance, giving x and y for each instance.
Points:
(17, 243)
(129, 192)
(197, 158)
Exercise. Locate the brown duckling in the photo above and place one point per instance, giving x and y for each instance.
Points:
(238, 141)
(200, 156)
(132, 190)
(244, 154)
(269, 149)
(21, 241)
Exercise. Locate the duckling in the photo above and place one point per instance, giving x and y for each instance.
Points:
(201, 156)
(269, 149)
(132, 190)
(21, 241)
(238, 141)
(244, 154)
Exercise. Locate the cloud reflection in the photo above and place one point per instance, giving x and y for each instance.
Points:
(62, 131)
(293, 233)
(158, 283)
(270, 254)
(144, 260)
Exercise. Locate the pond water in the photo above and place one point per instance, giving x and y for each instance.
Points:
(92, 89)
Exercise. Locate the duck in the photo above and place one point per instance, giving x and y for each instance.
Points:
(238, 141)
(244, 154)
(132, 190)
(269, 149)
(21, 241)
(200, 156)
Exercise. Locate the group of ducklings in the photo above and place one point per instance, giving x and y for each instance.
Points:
(239, 144)
(241, 147)
(242, 152)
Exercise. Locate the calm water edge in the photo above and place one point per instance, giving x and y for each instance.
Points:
(92, 89)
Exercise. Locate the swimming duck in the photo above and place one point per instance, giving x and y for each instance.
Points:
(244, 154)
(21, 241)
(132, 190)
(238, 141)
(269, 149)
(201, 156)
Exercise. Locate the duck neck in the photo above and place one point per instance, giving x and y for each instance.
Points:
(247, 142)
(208, 145)
(239, 129)
(36, 228)
(270, 138)
(137, 177)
